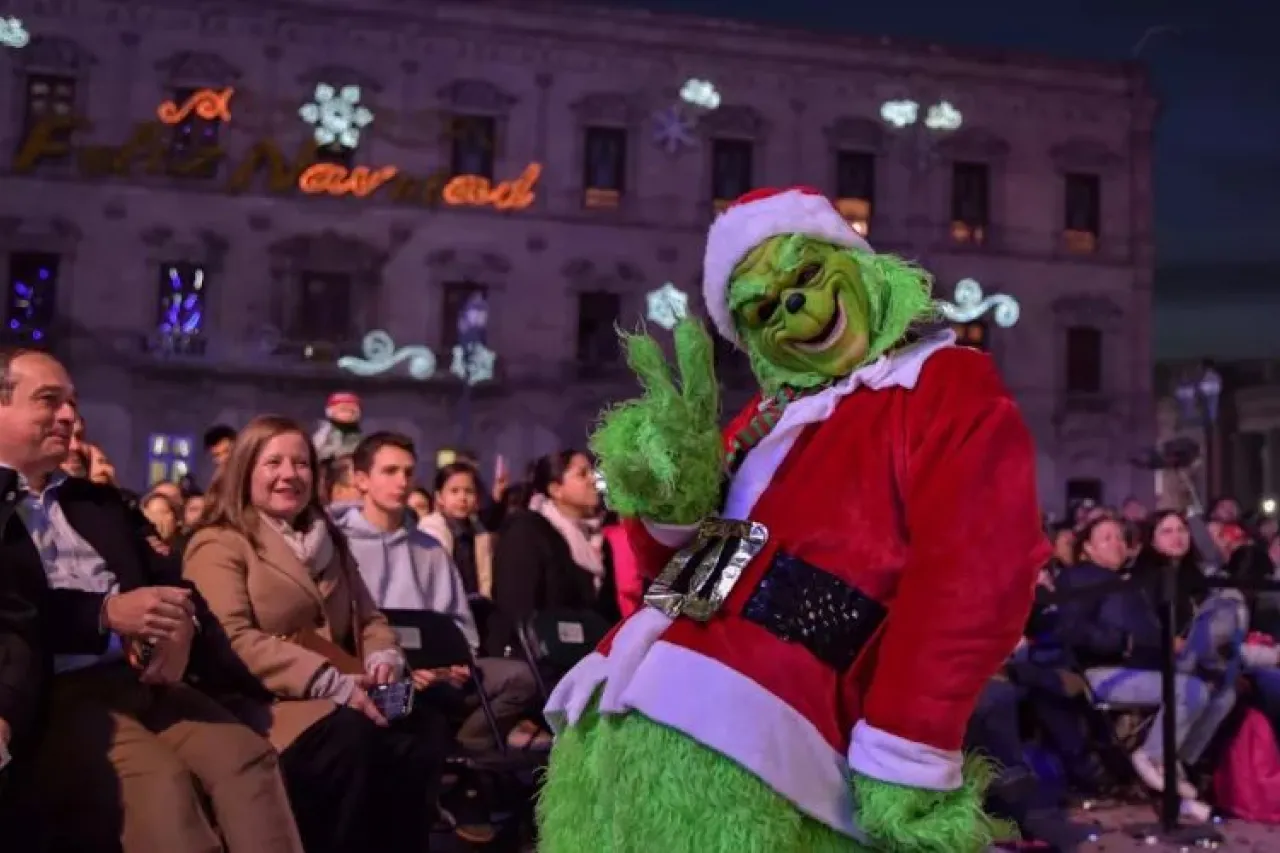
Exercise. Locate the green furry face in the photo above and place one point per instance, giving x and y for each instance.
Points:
(809, 312)
(803, 308)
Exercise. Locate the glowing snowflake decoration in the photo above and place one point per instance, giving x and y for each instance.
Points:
(336, 115)
(473, 364)
(900, 113)
(700, 93)
(13, 33)
(667, 306)
(673, 131)
(943, 116)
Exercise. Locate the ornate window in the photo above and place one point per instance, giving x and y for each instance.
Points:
(1084, 360)
(732, 170)
(31, 300)
(970, 202)
(472, 141)
(972, 334)
(325, 307)
(180, 308)
(597, 341)
(169, 458)
(456, 294)
(1080, 490)
(48, 96)
(856, 188)
(193, 142)
(1082, 215)
(604, 166)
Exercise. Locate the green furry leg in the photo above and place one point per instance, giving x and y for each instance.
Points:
(628, 785)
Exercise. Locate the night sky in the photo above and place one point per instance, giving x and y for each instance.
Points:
(1216, 68)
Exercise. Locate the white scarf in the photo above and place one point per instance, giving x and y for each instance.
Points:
(576, 534)
(313, 547)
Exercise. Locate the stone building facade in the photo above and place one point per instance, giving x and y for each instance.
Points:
(570, 207)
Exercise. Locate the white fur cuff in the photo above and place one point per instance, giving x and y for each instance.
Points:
(876, 753)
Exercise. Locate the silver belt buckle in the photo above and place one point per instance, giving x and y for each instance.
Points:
(698, 579)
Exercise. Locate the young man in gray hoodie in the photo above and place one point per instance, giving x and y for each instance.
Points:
(406, 569)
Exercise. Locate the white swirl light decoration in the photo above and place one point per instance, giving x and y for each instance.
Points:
(380, 355)
(970, 304)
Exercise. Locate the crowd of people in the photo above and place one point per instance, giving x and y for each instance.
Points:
(196, 670)
(1052, 712)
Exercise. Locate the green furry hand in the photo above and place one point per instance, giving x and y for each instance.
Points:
(913, 820)
(661, 455)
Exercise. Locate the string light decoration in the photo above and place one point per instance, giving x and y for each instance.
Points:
(32, 294)
(333, 179)
(674, 130)
(970, 304)
(700, 93)
(379, 355)
(13, 33)
(667, 306)
(942, 116)
(459, 191)
(474, 363)
(336, 115)
(208, 104)
(181, 308)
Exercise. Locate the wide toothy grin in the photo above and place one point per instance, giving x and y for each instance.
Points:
(831, 333)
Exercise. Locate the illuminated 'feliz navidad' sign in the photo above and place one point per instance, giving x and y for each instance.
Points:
(150, 147)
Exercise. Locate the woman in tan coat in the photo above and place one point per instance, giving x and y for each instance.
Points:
(278, 576)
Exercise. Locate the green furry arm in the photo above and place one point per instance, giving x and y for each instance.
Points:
(661, 454)
(913, 820)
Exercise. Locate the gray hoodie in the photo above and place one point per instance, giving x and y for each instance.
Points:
(406, 569)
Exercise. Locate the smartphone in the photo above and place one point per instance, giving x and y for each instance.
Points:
(394, 700)
(500, 469)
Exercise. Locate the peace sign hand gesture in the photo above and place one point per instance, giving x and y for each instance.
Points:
(661, 454)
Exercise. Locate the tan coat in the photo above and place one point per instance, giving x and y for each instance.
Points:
(263, 595)
(435, 525)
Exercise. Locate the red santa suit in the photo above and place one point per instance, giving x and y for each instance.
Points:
(905, 492)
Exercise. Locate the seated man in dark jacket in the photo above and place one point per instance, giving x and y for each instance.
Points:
(1116, 639)
(95, 635)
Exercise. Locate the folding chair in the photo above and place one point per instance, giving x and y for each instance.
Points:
(553, 641)
(432, 640)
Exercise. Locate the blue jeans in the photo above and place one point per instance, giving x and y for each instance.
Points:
(1198, 708)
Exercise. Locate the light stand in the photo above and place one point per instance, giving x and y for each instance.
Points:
(1176, 456)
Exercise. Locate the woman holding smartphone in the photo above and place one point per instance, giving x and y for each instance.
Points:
(277, 574)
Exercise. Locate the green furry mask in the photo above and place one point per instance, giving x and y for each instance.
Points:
(809, 312)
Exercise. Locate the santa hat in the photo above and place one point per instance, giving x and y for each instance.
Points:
(754, 218)
(342, 398)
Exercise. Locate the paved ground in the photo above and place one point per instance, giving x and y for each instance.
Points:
(1107, 830)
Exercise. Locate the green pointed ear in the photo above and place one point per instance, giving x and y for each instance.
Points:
(900, 294)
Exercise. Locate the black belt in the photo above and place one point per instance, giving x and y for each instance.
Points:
(795, 600)
(800, 603)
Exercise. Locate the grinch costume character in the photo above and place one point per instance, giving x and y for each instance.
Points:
(837, 575)
(339, 432)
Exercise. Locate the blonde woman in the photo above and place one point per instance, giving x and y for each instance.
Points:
(278, 576)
